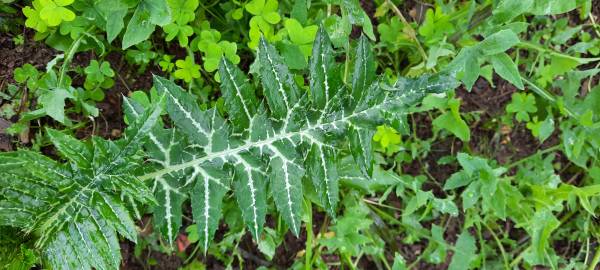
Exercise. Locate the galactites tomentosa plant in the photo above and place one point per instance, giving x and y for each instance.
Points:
(265, 148)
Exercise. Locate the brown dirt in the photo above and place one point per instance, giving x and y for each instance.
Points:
(5, 144)
(11, 56)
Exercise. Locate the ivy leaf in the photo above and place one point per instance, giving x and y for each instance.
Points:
(187, 70)
(547, 7)
(113, 12)
(541, 130)
(453, 122)
(464, 252)
(507, 69)
(53, 102)
(540, 227)
(522, 104)
(498, 42)
(147, 15)
(358, 16)
(339, 29)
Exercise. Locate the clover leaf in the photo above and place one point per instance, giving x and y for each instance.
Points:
(187, 70)
(97, 71)
(436, 26)
(166, 64)
(393, 35)
(142, 55)
(265, 16)
(74, 28)
(522, 104)
(213, 49)
(387, 137)
(266, 10)
(182, 11)
(27, 71)
(33, 17)
(54, 11)
(182, 32)
(301, 36)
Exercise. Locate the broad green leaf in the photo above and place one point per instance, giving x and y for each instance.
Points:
(509, 9)
(78, 213)
(113, 12)
(498, 42)
(53, 102)
(464, 252)
(549, 7)
(453, 122)
(507, 69)
(147, 15)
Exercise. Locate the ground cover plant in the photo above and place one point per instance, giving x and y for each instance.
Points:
(274, 134)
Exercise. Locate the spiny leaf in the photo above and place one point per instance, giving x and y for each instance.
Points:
(76, 207)
(301, 134)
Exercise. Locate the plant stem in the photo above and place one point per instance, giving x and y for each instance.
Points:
(69, 56)
(347, 62)
(309, 238)
(411, 31)
(580, 60)
(504, 257)
(595, 260)
(541, 152)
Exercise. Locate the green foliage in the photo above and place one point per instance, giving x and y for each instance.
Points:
(265, 15)
(76, 209)
(187, 70)
(467, 180)
(48, 13)
(182, 13)
(522, 105)
(213, 49)
(98, 74)
(147, 15)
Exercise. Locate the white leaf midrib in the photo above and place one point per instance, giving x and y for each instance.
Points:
(306, 132)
